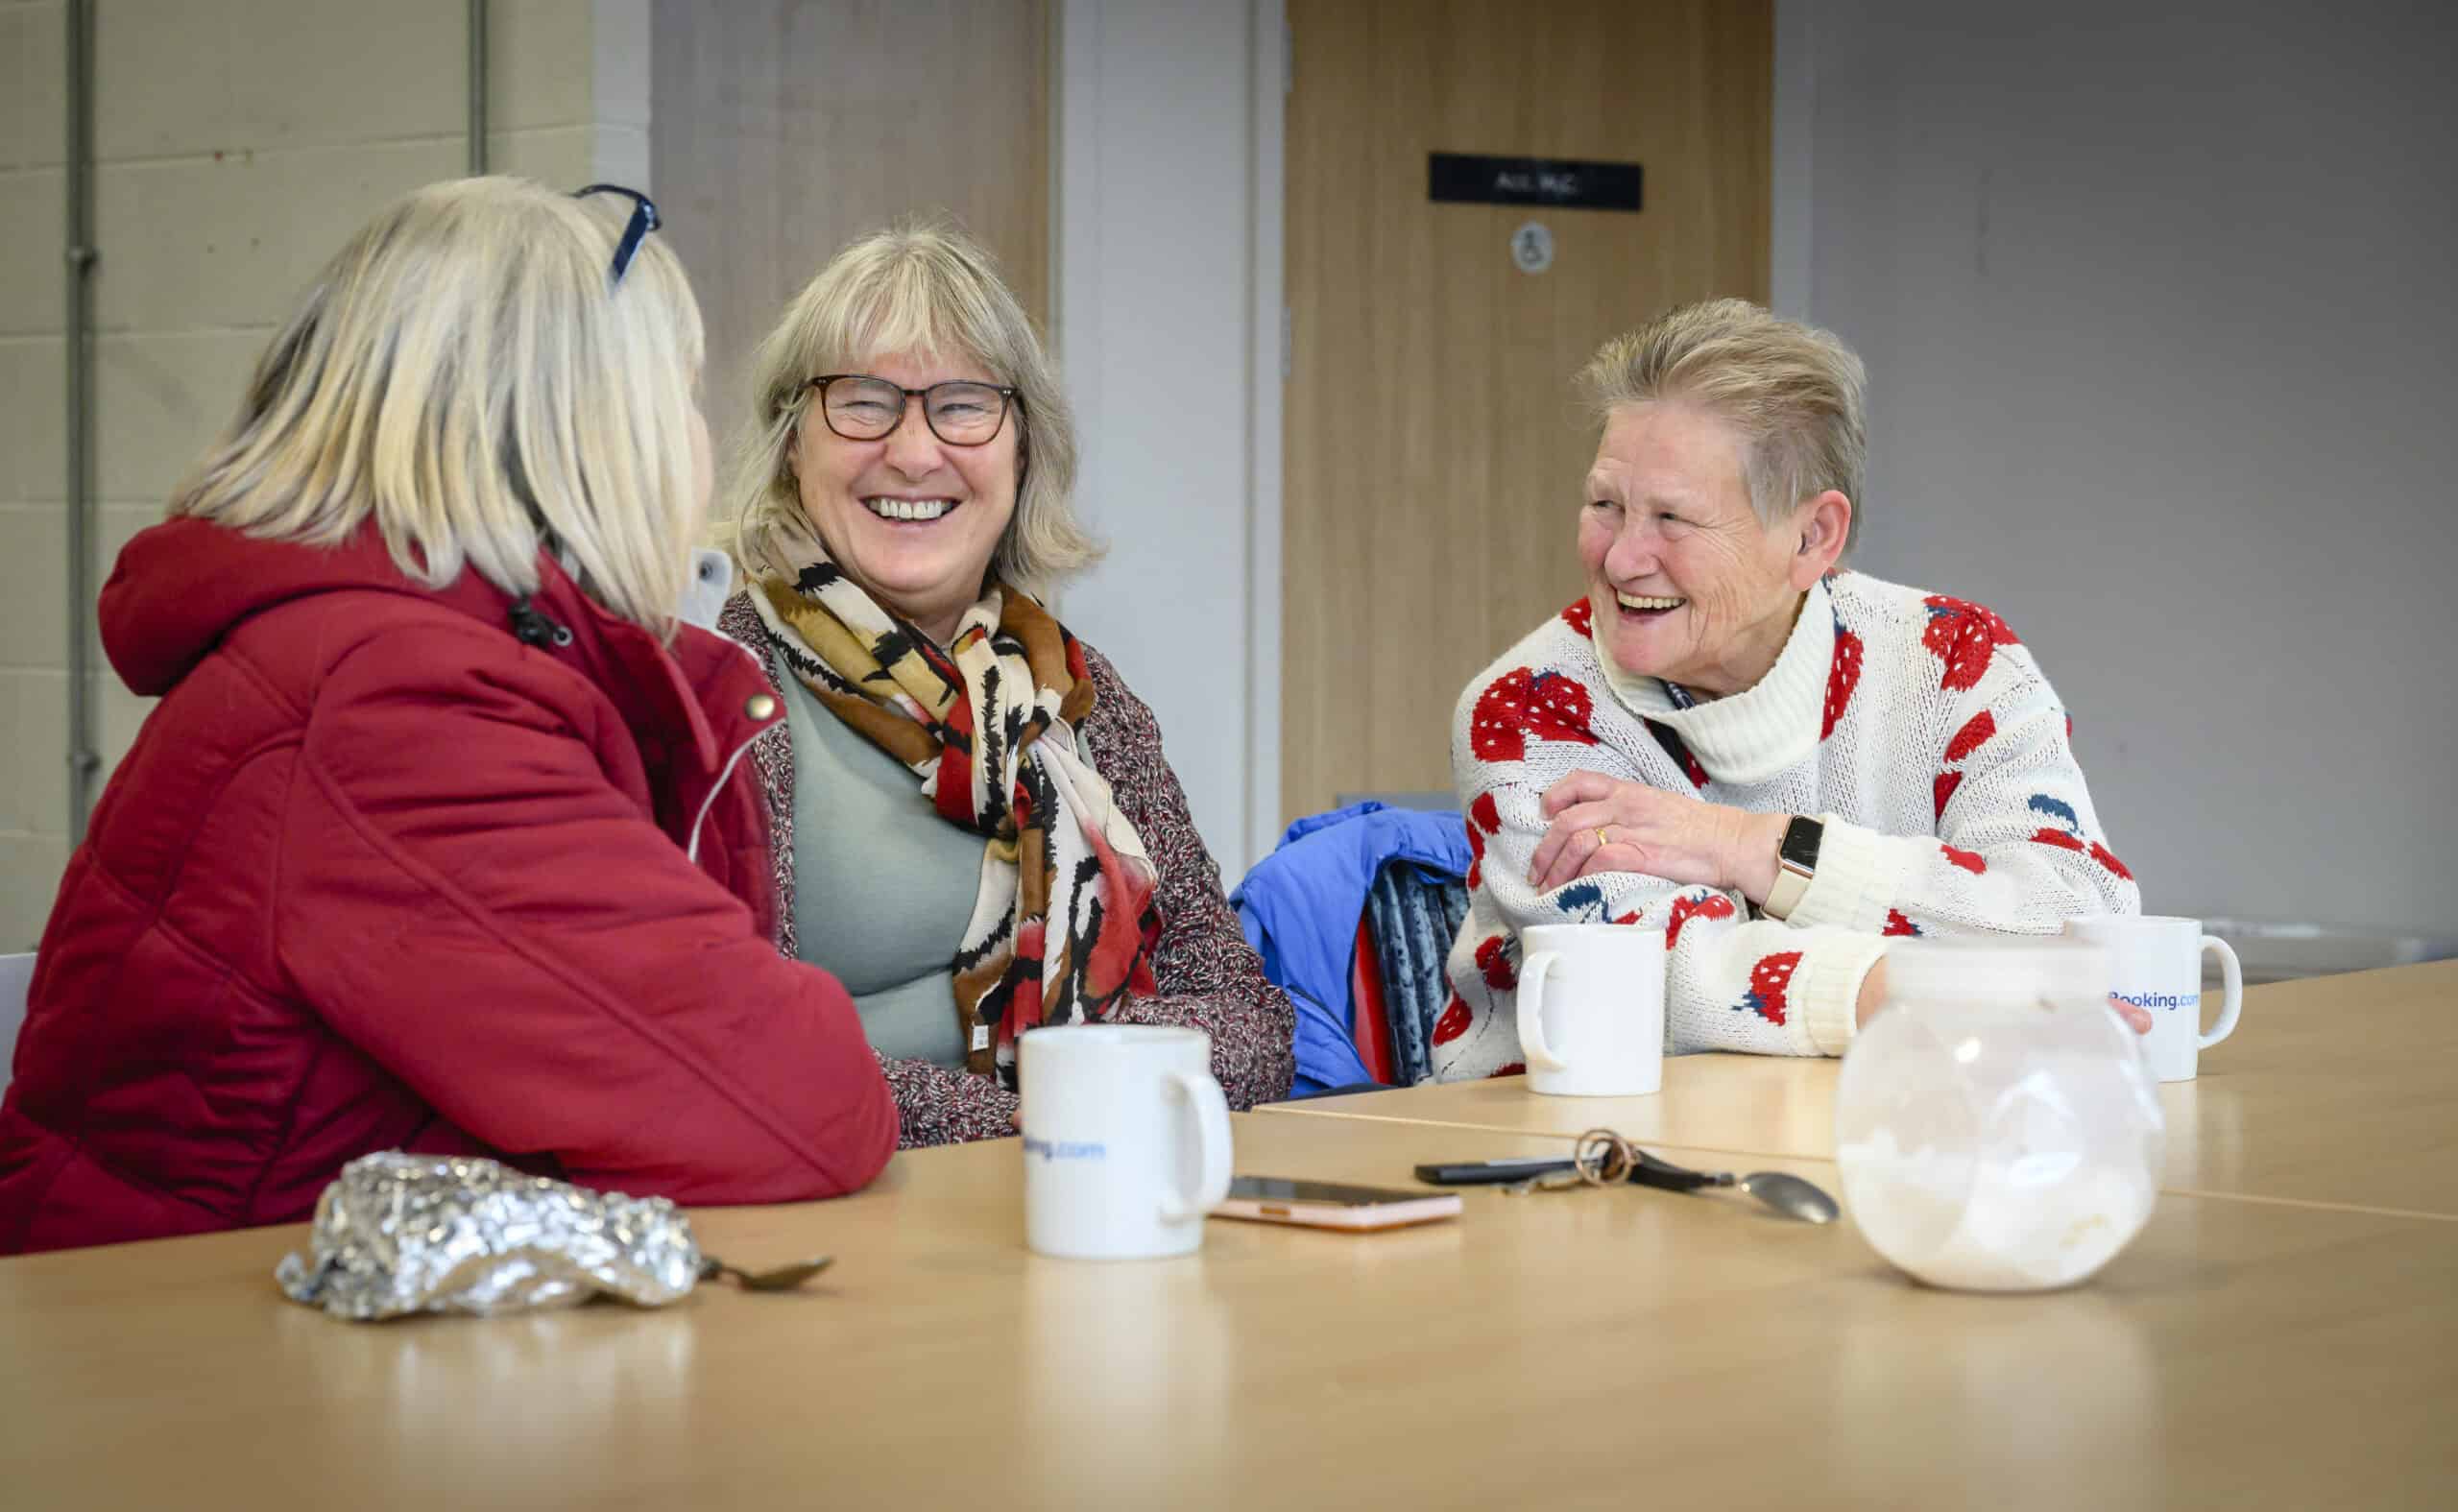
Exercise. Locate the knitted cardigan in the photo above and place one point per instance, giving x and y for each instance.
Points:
(1210, 978)
(1915, 725)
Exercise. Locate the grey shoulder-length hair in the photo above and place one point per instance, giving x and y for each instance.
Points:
(913, 287)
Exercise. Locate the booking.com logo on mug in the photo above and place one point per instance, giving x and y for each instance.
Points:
(2155, 963)
(1065, 1149)
(2192, 1000)
(1126, 1139)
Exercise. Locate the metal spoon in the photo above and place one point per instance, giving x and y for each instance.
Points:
(779, 1278)
(1788, 1194)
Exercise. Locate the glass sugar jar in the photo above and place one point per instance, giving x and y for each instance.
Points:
(1996, 1126)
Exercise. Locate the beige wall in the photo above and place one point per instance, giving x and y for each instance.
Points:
(785, 129)
(237, 143)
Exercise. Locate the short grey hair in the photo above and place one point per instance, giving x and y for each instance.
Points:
(461, 376)
(1796, 394)
(912, 287)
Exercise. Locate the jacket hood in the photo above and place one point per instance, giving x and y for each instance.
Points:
(180, 586)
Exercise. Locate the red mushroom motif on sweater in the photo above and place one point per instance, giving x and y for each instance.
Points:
(1498, 960)
(1688, 906)
(1843, 676)
(1768, 981)
(1484, 819)
(1521, 704)
(1454, 1021)
(1974, 733)
(1582, 617)
(1964, 635)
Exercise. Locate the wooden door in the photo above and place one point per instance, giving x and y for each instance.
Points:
(779, 129)
(1434, 447)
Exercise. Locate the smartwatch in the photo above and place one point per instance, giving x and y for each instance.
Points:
(1796, 863)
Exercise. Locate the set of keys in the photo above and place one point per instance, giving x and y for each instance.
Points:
(1549, 1180)
(1603, 1158)
(1599, 1158)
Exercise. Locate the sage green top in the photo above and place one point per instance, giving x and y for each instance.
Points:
(883, 886)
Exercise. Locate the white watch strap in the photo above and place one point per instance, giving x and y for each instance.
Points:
(1791, 881)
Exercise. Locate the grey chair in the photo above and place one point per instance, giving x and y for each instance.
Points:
(16, 977)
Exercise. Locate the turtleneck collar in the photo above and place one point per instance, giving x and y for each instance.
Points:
(1761, 731)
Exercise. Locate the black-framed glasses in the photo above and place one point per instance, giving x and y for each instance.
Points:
(961, 413)
(645, 220)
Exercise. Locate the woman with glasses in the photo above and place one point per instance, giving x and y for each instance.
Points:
(438, 839)
(974, 827)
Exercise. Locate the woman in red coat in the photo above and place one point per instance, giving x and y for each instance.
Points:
(441, 838)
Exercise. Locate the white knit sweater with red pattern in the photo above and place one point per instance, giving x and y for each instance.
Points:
(1915, 725)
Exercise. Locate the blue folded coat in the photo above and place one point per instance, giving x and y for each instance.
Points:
(1299, 907)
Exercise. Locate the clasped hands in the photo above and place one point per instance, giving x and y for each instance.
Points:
(1603, 824)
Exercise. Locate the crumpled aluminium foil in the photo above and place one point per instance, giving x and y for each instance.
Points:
(400, 1234)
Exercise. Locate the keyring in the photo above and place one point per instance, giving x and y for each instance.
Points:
(1603, 1158)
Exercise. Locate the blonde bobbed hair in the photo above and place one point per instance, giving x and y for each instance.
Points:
(913, 287)
(1795, 394)
(463, 375)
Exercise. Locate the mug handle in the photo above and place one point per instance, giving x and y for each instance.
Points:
(1533, 973)
(2231, 998)
(1209, 1111)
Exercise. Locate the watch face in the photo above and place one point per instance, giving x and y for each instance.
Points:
(1800, 843)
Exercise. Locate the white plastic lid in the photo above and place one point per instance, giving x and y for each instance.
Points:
(1996, 970)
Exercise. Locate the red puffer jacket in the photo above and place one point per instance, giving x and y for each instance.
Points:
(379, 874)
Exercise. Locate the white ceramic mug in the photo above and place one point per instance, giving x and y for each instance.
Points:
(1591, 1009)
(2155, 964)
(1126, 1139)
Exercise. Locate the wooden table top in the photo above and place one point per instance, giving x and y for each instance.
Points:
(2334, 1089)
(1612, 1348)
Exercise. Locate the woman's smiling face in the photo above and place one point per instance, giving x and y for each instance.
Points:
(1684, 581)
(910, 518)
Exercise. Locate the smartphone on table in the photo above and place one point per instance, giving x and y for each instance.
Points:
(1333, 1204)
(1494, 1173)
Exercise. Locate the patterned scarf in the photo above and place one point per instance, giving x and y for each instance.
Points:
(1065, 923)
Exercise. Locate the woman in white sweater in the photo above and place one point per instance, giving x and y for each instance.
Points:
(1778, 763)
